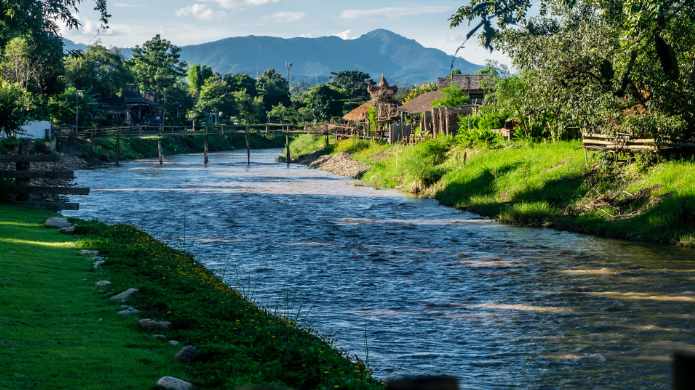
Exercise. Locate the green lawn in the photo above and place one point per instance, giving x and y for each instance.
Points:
(56, 330)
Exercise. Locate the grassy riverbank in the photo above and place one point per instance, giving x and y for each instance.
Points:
(59, 331)
(547, 184)
(103, 150)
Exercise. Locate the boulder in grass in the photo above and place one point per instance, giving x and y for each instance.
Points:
(57, 223)
(171, 383)
(125, 295)
(128, 311)
(103, 284)
(89, 253)
(68, 230)
(150, 325)
(187, 354)
(98, 263)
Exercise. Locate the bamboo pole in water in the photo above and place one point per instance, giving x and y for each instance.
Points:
(248, 146)
(205, 147)
(288, 157)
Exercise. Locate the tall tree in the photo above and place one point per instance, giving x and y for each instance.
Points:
(215, 99)
(242, 82)
(352, 83)
(157, 66)
(15, 107)
(197, 75)
(273, 89)
(99, 71)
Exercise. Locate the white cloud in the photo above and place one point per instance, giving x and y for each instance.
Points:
(392, 12)
(347, 34)
(287, 17)
(197, 11)
(234, 4)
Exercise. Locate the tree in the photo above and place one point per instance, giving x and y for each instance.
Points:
(324, 102)
(215, 99)
(34, 62)
(157, 66)
(101, 72)
(197, 75)
(250, 109)
(72, 105)
(273, 89)
(353, 84)
(453, 96)
(15, 107)
(242, 82)
(637, 51)
(37, 17)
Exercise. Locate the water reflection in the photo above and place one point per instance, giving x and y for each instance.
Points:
(434, 290)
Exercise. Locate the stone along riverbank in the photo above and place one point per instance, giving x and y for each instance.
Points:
(409, 286)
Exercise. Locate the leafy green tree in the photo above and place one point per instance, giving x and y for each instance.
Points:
(15, 107)
(600, 57)
(242, 82)
(101, 72)
(157, 66)
(34, 62)
(37, 17)
(273, 89)
(197, 75)
(324, 102)
(250, 109)
(353, 84)
(453, 96)
(64, 108)
(215, 99)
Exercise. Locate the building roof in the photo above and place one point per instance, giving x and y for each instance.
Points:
(359, 113)
(422, 103)
(467, 82)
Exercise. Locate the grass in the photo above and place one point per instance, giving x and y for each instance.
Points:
(542, 184)
(58, 331)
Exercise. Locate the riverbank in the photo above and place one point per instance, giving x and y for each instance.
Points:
(553, 185)
(61, 330)
(103, 150)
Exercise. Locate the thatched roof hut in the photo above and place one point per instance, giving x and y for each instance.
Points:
(422, 103)
(359, 114)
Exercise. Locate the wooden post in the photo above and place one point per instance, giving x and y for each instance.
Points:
(446, 120)
(248, 146)
(288, 157)
(159, 150)
(118, 148)
(205, 147)
(326, 141)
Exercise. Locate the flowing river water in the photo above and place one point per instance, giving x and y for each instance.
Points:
(410, 286)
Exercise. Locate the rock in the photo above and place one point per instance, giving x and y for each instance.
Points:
(103, 284)
(174, 343)
(90, 253)
(99, 263)
(171, 383)
(187, 354)
(152, 325)
(57, 223)
(341, 164)
(68, 230)
(159, 336)
(125, 295)
(129, 311)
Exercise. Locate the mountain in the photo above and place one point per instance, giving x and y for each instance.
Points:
(403, 61)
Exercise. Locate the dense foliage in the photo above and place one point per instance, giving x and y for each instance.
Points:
(613, 66)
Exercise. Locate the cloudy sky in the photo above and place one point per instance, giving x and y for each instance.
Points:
(188, 21)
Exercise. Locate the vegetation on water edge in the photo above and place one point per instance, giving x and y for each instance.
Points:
(103, 150)
(553, 184)
(63, 333)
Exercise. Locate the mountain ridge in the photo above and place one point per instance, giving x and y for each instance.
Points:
(402, 60)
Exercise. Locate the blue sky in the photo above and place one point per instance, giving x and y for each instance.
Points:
(189, 21)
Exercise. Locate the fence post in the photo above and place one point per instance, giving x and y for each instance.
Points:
(205, 146)
(248, 146)
(288, 157)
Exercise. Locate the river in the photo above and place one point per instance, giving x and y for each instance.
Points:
(408, 285)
